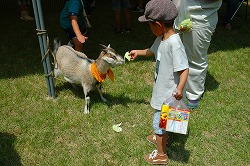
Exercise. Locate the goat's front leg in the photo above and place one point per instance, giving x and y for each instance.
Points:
(99, 88)
(87, 100)
(57, 72)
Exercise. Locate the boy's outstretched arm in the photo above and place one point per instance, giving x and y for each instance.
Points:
(183, 79)
(146, 52)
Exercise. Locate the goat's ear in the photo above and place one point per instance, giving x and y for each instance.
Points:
(105, 51)
(103, 46)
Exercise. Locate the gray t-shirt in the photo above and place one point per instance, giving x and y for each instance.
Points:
(170, 58)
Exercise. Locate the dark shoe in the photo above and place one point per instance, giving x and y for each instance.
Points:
(118, 31)
(155, 158)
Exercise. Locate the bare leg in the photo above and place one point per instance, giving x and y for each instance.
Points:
(78, 44)
(118, 20)
(161, 143)
(128, 18)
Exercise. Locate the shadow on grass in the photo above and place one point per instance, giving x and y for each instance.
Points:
(77, 90)
(8, 154)
(176, 149)
(211, 83)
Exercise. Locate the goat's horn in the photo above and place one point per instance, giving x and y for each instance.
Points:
(109, 46)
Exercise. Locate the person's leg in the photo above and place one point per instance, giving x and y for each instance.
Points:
(161, 143)
(125, 6)
(117, 15)
(196, 44)
(74, 42)
(158, 156)
(128, 18)
(78, 45)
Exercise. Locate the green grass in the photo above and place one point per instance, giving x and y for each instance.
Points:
(35, 130)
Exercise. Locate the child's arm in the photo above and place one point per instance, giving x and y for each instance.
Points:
(183, 79)
(76, 29)
(146, 52)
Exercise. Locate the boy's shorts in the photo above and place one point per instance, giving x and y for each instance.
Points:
(120, 4)
(71, 34)
(156, 122)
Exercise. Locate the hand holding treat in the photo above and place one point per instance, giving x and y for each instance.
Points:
(133, 54)
(186, 25)
(127, 56)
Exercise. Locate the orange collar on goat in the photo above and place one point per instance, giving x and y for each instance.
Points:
(99, 76)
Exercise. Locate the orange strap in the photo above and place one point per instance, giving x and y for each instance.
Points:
(99, 76)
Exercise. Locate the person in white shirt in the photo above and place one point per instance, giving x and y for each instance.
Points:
(203, 14)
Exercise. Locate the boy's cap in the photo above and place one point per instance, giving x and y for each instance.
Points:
(159, 10)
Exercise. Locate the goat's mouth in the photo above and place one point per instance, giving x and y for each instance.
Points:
(118, 63)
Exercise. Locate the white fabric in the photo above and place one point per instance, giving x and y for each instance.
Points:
(204, 17)
(197, 43)
(202, 12)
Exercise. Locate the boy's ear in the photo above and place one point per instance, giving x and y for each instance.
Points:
(159, 24)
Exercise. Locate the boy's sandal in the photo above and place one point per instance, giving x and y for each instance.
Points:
(155, 158)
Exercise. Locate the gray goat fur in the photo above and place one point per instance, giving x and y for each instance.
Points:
(76, 67)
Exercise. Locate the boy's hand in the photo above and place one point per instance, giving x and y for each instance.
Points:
(133, 54)
(178, 95)
(82, 38)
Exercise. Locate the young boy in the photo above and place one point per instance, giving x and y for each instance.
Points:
(72, 21)
(171, 67)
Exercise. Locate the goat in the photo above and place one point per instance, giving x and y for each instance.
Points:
(77, 68)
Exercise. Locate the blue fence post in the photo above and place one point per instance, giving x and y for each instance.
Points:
(42, 37)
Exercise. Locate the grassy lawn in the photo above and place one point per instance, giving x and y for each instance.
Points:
(35, 130)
